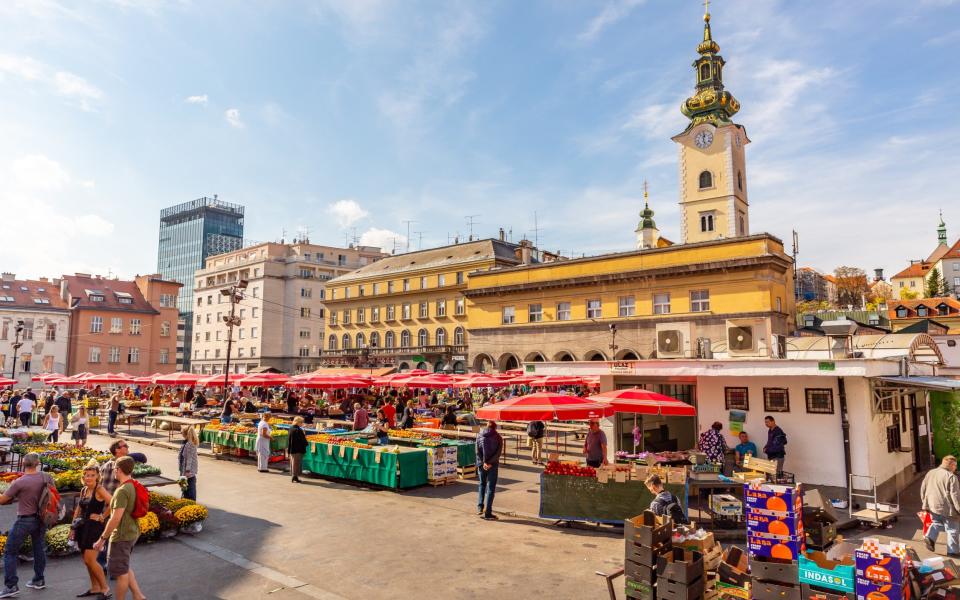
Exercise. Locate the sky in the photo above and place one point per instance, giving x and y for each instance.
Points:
(343, 120)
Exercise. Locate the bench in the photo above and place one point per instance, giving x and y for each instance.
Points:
(762, 468)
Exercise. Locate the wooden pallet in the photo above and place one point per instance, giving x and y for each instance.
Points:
(469, 472)
(440, 482)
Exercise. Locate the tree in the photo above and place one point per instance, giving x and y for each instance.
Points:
(935, 285)
(852, 286)
(906, 294)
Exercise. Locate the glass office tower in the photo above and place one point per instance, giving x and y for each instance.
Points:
(189, 233)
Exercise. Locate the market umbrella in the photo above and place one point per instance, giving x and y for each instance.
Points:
(178, 378)
(147, 378)
(417, 372)
(436, 381)
(217, 380)
(110, 378)
(544, 406)
(330, 382)
(557, 380)
(644, 402)
(5, 381)
(46, 376)
(477, 381)
(264, 379)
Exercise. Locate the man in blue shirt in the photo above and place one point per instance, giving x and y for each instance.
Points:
(745, 447)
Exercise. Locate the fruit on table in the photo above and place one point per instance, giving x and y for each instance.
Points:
(562, 468)
(324, 438)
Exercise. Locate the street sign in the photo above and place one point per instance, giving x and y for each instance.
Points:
(827, 365)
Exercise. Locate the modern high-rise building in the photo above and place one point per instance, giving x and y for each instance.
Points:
(190, 233)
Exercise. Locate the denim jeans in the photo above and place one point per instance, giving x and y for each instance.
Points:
(25, 419)
(226, 418)
(23, 527)
(952, 529)
(191, 492)
(111, 421)
(488, 487)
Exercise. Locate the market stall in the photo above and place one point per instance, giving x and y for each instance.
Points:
(231, 438)
(387, 466)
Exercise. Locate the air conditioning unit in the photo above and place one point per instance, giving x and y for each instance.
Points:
(750, 337)
(675, 340)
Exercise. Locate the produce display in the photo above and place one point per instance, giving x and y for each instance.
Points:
(565, 468)
(29, 435)
(142, 470)
(323, 438)
(71, 480)
(62, 457)
(413, 435)
(58, 539)
(244, 429)
(149, 524)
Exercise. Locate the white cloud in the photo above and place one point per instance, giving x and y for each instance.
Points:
(92, 225)
(613, 12)
(35, 172)
(69, 84)
(347, 212)
(384, 239)
(63, 83)
(656, 121)
(362, 18)
(200, 99)
(232, 115)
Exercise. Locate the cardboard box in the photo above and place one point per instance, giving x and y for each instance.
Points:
(712, 558)
(734, 569)
(699, 544)
(677, 475)
(779, 525)
(820, 535)
(887, 569)
(871, 590)
(733, 592)
(648, 529)
(677, 590)
(768, 590)
(680, 565)
(639, 572)
(787, 548)
(775, 498)
(646, 555)
(809, 592)
(817, 569)
(726, 504)
(773, 570)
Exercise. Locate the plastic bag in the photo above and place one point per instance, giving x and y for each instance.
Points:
(925, 519)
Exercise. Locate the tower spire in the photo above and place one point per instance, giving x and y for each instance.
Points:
(942, 230)
(710, 103)
(647, 233)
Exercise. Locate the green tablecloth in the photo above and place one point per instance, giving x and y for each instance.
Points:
(466, 451)
(244, 441)
(572, 498)
(412, 465)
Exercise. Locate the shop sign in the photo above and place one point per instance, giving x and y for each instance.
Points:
(418, 358)
(621, 367)
(827, 365)
(531, 368)
(458, 357)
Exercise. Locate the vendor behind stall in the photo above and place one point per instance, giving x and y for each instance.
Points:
(595, 445)
(745, 447)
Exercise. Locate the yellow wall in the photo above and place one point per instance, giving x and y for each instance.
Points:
(913, 284)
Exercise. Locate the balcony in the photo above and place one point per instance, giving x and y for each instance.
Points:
(395, 352)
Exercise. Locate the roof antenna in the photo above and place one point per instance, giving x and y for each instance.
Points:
(470, 222)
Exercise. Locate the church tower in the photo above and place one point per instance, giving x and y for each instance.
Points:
(713, 173)
(942, 231)
(648, 236)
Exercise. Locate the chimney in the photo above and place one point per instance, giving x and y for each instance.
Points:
(526, 252)
(878, 274)
(9, 276)
(503, 235)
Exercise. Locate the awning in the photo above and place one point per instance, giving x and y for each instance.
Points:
(927, 383)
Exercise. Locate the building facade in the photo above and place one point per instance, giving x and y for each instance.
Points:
(190, 233)
(409, 310)
(283, 308)
(944, 311)
(35, 306)
(121, 326)
(811, 286)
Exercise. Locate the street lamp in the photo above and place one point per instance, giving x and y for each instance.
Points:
(235, 292)
(613, 341)
(17, 344)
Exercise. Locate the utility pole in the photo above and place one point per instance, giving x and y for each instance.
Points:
(613, 341)
(17, 344)
(235, 293)
(408, 222)
(796, 280)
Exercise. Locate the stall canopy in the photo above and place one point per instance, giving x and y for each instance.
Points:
(217, 380)
(110, 378)
(479, 381)
(644, 402)
(327, 382)
(557, 380)
(930, 383)
(267, 379)
(545, 407)
(47, 376)
(178, 379)
(5, 381)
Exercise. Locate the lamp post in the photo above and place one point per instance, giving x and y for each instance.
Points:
(17, 344)
(613, 341)
(235, 293)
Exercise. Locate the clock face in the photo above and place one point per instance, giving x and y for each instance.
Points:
(703, 139)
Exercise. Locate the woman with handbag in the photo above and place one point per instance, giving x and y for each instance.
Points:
(89, 518)
(53, 423)
(263, 442)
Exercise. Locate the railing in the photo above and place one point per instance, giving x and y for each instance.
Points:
(396, 351)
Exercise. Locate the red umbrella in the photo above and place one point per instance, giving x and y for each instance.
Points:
(644, 402)
(476, 381)
(178, 378)
(217, 380)
(45, 376)
(114, 378)
(147, 378)
(67, 381)
(330, 382)
(436, 381)
(557, 380)
(5, 381)
(417, 372)
(264, 379)
(545, 407)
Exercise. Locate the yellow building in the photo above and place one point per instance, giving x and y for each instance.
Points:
(909, 283)
(408, 311)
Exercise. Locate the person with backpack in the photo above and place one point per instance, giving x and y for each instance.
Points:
(664, 503)
(776, 443)
(35, 494)
(536, 430)
(130, 502)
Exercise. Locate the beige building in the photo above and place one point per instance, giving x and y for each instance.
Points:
(282, 310)
(36, 307)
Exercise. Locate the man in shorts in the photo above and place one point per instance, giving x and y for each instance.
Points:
(122, 531)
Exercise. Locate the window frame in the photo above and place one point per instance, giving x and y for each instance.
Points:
(534, 313)
(710, 183)
(508, 315)
(730, 403)
(700, 304)
(627, 309)
(767, 407)
(594, 312)
(564, 311)
(817, 411)
(658, 306)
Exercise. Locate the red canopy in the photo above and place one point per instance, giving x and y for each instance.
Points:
(435, 381)
(545, 407)
(557, 380)
(178, 378)
(5, 381)
(217, 380)
(645, 402)
(476, 381)
(416, 372)
(114, 378)
(330, 382)
(46, 376)
(264, 379)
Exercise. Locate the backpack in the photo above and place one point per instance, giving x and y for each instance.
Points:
(672, 507)
(50, 510)
(142, 505)
(535, 429)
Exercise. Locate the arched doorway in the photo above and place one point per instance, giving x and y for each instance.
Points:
(564, 356)
(483, 363)
(422, 365)
(459, 367)
(628, 354)
(403, 366)
(534, 357)
(507, 362)
(595, 355)
(438, 366)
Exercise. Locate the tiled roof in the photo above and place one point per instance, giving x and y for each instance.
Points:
(937, 254)
(953, 251)
(27, 294)
(931, 303)
(83, 287)
(453, 255)
(917, 269)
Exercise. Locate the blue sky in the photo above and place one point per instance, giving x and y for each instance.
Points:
(358, 115)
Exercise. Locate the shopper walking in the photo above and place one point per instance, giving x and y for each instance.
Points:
(776, 448)
(122, 531)
(940, 496)
(713, 444)
(536, 430)
(382, 427)
(89, 518)
(113, 413)
(296, 448)
(263, 442)
(595, 445)
(188, 461)
(26, 492)
(489, 448)
(25, 410)
(65, 403)
(110, 482)
(409, 416)
(53, 423)
(79, 424)
(664, 503)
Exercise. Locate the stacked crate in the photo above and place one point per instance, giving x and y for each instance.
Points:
(882, 571)
(441, 464)
(775, 539)
(680, 575)
(647, 537)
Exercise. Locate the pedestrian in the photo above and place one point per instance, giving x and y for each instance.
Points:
(595, 445)
(89, 519)
(409, 416)
(122, 531)
(361, 418)
(226, 415)
(52, 423)
(65, 403)
(249, 406)
(664, 503)
(390, 412)
(489, 448)
(27, 491)
(109, 481)
(449, 420)
(382, 427)
(25, 410)
(745, 448)
(293, 403)
(776, 443)
(79, 424)
(296, 448)
(940, 496)
(48, 402)
(713, 444)
(113, 413)
(263, 442)
(188, 461)
(536, 430)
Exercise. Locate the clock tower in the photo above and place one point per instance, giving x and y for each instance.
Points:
(713, 173)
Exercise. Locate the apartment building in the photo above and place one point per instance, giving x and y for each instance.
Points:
(282, 309)
(36, 307)
(119, 325)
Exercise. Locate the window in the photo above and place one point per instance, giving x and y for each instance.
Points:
(405, 314)
(254, 312)
(460, 306)
(776, 400)
(133, 355)
(242, 312)
(164, 356)
(563, 311)
(375, 314)
(820, 401)
(943, 310)
(306, 292)
(25, 362)
(441, 280)
(627, 306)
(706, 180)
(239, 352)
(115, 354)
(406, 285)
(901, 284)
(116, 325)
(97, 298)
(706, 221)
(332, 342)
(361, 340)
(253, 332)
(594, 309)
(209, 300)
(165, 329)
(198, 319)
(96, 325)
(404, 339)
(361, 315)
(333, 317)
(168, 300)
(255, 292)
(376, 288)
(893, 439)
(441, 337)
(305, 351)
(388, 339)
(509, 315)
(389, 287)
(901, 312)
(391, 312)
(441, 308)
(206, 336)
(458, 336)
(217, 336)
(922, 311)
(913, 284)
(304, 334)
(534, 313)
(422, 338)
(374, 339)
(346, 317)
(360, 290)
(240, 332)
(305, 312)
(51, 332)
(253, 351)
(704, 72)
(134, 326)
(93, 356)
(739, 181)
(424, 310)
(345, 341)
(346, 292)
(661, 303)
(736, 398)
(699, 300)
(423, 283)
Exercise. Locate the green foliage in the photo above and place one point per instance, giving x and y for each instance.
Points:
(935, 286)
